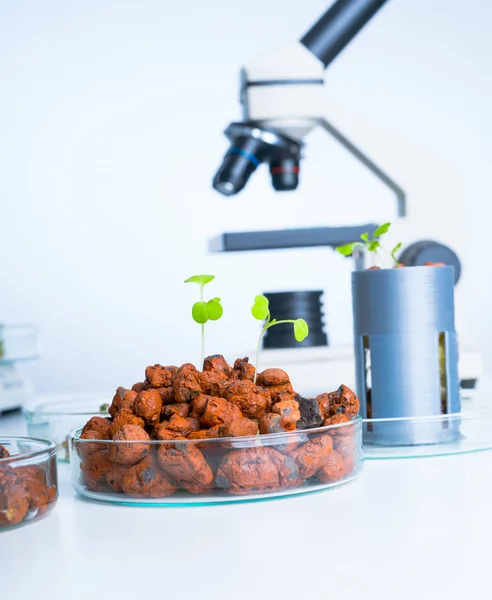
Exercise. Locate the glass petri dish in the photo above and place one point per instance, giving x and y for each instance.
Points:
(55, 419)
(28, 480)
(420, 437)
(216, 471)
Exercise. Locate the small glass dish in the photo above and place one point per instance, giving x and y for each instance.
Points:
(215, 471)
(28, 480)
(435, 435)
(18, 343)
(54, 420)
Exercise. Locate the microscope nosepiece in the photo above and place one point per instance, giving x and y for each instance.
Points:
(251, 146)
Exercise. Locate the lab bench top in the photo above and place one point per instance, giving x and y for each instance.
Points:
(406, 529)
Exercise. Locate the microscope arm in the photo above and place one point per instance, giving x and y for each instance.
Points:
(401, 198)
(326, 39)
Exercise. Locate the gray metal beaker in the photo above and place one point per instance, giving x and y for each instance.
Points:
(406, 353)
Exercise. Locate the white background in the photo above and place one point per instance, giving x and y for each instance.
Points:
(111, 115)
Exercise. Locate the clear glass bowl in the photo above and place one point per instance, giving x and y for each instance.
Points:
(18, 343)
(436, 435)
(55, 420)
(28, 481)
(216, 471)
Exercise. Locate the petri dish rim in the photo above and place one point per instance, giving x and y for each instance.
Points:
(466, 444)
(48, 448)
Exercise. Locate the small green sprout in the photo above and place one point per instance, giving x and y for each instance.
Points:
(261, 311)
(104, 408)
(372, 245)
(205, 311)
(394, 251)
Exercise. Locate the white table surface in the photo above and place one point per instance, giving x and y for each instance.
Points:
(406, 529)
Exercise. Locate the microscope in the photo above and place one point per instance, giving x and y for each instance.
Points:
(18, 344)
(282, 98)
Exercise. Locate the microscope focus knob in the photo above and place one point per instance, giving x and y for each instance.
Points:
(420, 253)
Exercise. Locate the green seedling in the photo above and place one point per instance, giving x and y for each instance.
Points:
(261, 311)
(371, 244)
(205, 311)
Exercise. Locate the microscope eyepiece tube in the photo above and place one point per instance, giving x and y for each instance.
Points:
(338, 26)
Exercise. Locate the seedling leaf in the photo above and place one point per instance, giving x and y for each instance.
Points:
(346, 249)
(214, 309)
(371, 245)
(199, 312)
(200, 279)
(262, 300)
(260, 309)
(301, 330)
(382, 229)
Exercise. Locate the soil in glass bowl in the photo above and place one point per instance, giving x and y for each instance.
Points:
(188, 436)
(28, 480)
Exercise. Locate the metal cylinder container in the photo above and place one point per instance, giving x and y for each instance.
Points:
(406, 354)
